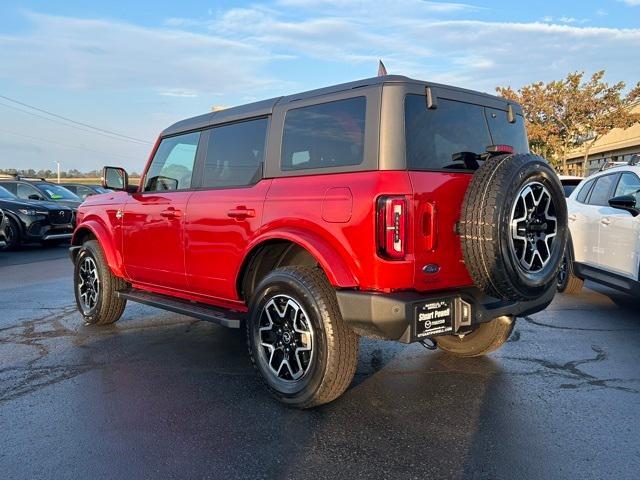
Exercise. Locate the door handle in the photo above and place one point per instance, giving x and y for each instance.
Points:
(573, 217)
(241, 213)
(171, 213)
(605, 221)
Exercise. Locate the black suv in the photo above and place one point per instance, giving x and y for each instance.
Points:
(34, 220)
(39, 189)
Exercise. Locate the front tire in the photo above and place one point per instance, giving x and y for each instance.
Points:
(12, 234)
(486, 338)
(297, 339)
(95, 287)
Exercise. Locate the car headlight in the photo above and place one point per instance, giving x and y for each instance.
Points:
(31, 212)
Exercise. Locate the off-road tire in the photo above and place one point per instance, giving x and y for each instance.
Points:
(485, 227)
(109, 306)
(484, 339)
(12, 234)
(334, 359)
(570, 284)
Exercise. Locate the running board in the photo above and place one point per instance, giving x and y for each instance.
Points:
(226, 318)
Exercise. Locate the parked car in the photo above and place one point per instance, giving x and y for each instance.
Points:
(35, 221)
(569, 183)
(388, 207)
(39, 189)
(3, 228)
(605, 231)
(83, 191)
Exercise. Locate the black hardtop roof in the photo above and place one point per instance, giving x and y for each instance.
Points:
(265, 107)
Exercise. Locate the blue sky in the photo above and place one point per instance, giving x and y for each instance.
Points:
(136, 67)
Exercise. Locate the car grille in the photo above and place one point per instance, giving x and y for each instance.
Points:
(60, 217)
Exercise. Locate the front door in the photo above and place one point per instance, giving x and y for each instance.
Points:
(620, 232)
(226, 213)
(153, 235)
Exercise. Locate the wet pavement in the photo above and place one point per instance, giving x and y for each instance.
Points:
(159, 395)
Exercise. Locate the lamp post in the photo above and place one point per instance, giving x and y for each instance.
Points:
(58, 165)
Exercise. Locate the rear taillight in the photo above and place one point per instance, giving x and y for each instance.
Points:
(392, 227)
(499, 149)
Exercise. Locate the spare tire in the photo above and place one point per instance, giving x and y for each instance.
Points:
(513, 227)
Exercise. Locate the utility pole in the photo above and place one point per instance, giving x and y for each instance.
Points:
(58, 164)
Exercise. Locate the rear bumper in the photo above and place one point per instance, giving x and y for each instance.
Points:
(393, 316)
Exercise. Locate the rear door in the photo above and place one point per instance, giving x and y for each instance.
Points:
(619, 240)
(596, 209)
(441, 146)
(226, 212)
(581, 225)
(153, 240)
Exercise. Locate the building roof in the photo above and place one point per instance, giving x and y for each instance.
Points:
(616, 139)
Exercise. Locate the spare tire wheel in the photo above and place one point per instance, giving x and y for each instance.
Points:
(513, 227)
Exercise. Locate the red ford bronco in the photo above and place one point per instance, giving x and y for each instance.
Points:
(388, 207)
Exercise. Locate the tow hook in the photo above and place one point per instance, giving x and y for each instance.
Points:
(429, 344)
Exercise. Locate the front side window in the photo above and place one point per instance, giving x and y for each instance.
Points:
(324, 135)
(24, 191)
(235, 154)
(629, 184)
(602, 190)
(172, 165)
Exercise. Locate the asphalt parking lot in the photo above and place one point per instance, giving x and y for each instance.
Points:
(159, 395)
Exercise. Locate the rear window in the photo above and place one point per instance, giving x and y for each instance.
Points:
(325, 135)
(437, 139)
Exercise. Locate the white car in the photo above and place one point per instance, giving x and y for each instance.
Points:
(604, 221)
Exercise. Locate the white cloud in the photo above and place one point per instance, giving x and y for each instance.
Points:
(95, 54)
(631, 3)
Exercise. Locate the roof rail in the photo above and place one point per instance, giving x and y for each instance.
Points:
(611, 164)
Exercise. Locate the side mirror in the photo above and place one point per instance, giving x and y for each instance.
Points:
(625, 202)
(115, 178)
(33, 196)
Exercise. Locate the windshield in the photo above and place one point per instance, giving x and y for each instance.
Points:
(6, 194)
(56, 192)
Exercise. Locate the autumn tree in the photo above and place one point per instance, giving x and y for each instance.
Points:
(564, 114)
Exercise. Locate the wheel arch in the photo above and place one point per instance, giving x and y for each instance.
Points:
(290, 247)
(94, 230)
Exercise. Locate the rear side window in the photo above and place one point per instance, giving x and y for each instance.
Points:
(438, 138)
(172, 166)
(602, 190)
(584, 191)
(629, 184)
(235, 154)
(325, 135)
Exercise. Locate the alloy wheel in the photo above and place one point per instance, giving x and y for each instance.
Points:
(89, 284)
(286, 338)
(534, 227)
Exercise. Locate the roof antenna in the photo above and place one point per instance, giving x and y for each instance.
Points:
(382, 70)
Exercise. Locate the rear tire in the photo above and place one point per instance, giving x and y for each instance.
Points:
(95, 287)
(486, 338)
(297, 339)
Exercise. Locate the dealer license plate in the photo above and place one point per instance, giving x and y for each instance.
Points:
(434, 318)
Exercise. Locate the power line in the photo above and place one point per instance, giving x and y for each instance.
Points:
(26, 112)
(98, 129)
(45, 140)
